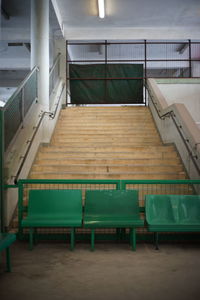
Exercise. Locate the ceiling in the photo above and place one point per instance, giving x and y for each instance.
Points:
(129, 19)
(78, 20)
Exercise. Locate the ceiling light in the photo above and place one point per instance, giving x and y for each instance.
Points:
(101, 6)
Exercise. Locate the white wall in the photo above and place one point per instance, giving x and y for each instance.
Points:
(188, 94)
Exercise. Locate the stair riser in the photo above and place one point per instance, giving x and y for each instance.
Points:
(111, 162)
(113, 176)
(111, 141)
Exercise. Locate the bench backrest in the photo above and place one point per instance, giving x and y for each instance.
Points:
(172, 207)
(112, 202)
(51, 202)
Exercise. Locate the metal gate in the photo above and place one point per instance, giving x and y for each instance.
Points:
(108, 72)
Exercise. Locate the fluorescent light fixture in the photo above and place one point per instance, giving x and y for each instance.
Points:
(101, 6)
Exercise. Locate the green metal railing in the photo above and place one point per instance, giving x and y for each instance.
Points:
(144, 187)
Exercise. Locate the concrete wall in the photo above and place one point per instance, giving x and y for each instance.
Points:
(185, 93)
(168, 131)
(19, 145)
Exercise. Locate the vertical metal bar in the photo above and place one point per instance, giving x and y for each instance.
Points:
(106, 61)
(92, 238)
(20, 209)
(122, 184)
(190, 57)
(59, 61)
(22, 112)
(37, 85)
(8, 262)
(31, 233)
(67, 70)
(145, 71)
(72, 239)
(2, 225)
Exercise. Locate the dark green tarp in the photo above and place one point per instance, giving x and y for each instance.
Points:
(116, 91)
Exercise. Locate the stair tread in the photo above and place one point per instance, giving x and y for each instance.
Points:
(107, 142)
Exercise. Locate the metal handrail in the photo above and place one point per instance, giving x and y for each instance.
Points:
(178, 127)
(54, 64)
(52, 116)
(20, 87)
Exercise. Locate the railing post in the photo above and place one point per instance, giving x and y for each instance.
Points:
(23, 107)
(190, 57)
(2, 191)
(145, 72)
(20, 209)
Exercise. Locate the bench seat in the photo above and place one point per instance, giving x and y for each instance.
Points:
(172, 213)
(112, 209)
(110, 222)
(52, 222)
(53, 208)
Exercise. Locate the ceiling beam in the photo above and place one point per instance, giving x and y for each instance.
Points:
(5, 13)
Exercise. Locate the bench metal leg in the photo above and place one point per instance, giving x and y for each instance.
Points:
(118, 233)
(35, 236)
(123, 233)
(72, 239)
(133, 238)
(92, 238)
(156, 240)
(8, 262)
(31, 230)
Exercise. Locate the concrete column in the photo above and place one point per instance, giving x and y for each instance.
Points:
(40, 47)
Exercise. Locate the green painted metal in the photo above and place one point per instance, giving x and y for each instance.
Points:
(173, 213)
(53, 208)
(20, 209)
(114, 209)
(10, 186)
(24, 184)
(144, 237)
(68, 181)
(6, 240)
(2, 221)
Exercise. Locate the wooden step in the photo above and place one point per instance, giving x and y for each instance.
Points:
(95, 169)
(107, 143)
(102, 132)
(63, 154)
(158, 151)
(106, 162)
(131, 176)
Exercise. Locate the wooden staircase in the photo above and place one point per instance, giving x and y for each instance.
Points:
(107, 143)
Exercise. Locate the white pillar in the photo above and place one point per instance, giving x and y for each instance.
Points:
(40, 47)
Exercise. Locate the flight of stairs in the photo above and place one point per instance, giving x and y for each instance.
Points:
(107, 143)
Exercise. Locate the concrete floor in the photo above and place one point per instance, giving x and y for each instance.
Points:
(51, 271)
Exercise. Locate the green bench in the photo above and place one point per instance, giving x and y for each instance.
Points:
(53, 208)
(112, 209)
(172, 213)
(6, 240)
